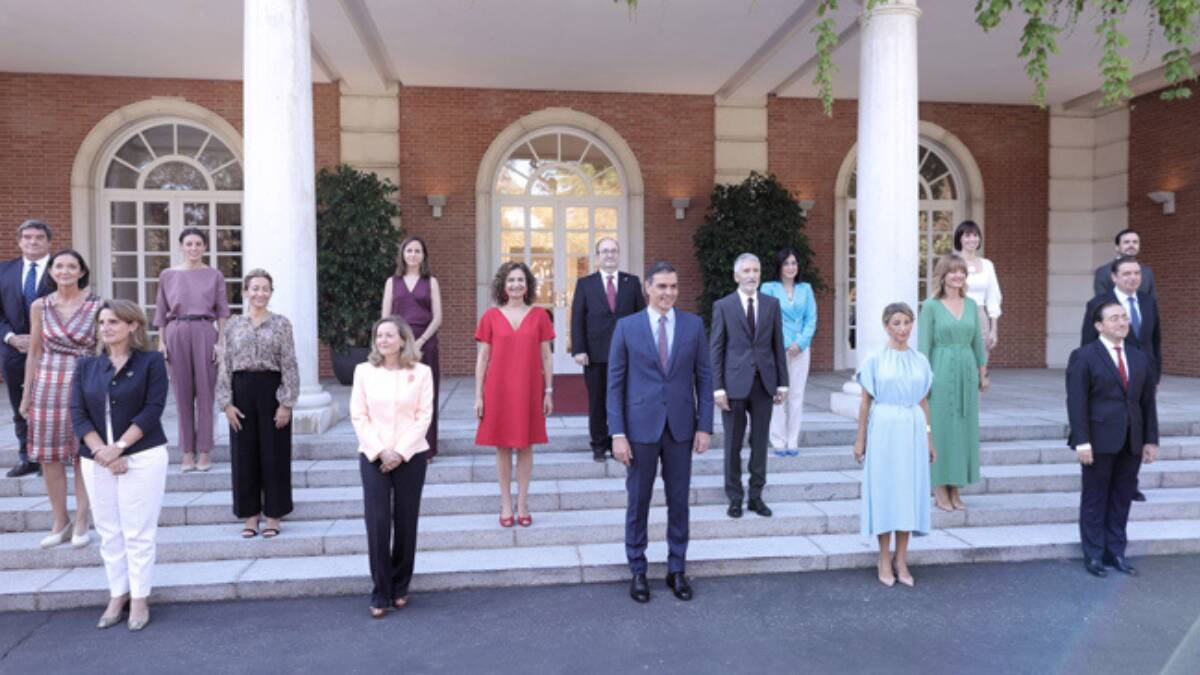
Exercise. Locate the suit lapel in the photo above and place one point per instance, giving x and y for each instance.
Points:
(1102, 354)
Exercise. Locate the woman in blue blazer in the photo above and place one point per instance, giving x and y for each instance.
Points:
(117, 400)
(799, 310)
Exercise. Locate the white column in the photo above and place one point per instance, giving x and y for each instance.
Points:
(279, 214)
(888, 137)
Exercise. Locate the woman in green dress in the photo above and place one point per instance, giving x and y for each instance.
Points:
(950, 336)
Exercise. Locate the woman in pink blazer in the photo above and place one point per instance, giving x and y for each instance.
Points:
(391, 406)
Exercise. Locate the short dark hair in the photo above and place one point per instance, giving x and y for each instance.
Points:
(1121, 260)
(966, 227)
(194, 231)
(659, 267)
(1122, 233)
(498, 293)
(83, 267)
(402, 267)
(1098, 313)
(782, 257)
(33, 224)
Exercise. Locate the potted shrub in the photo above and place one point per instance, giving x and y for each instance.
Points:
(356, 253)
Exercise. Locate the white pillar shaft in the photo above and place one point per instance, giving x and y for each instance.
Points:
(279, 214)
(888, 140)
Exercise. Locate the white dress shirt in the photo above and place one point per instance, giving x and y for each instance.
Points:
(1111, 348)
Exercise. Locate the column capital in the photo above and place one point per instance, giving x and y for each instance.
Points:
(898, 7)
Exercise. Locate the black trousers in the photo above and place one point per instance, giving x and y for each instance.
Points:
(676, 457)
(1108, 487)
(595, 376)
(260, 455)
(14, 379)
(391, 507)
(757, 408)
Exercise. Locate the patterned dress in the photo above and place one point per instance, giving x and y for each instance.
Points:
(51, 436)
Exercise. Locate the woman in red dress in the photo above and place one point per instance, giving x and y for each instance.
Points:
(513, 378)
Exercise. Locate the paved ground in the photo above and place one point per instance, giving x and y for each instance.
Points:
(1040, 617)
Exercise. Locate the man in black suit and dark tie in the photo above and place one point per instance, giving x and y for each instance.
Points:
(1128, 244)
(22, 280)
(600, 299)
(750, 375)
(1114, 430)
(1141, 307)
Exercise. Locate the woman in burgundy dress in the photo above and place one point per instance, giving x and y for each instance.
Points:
(513, 365)
(414, 295)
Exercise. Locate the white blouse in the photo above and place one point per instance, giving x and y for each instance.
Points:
(984, 288)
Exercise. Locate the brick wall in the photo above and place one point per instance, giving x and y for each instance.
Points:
(1164, 154)
(1010, 145)
(444, 133)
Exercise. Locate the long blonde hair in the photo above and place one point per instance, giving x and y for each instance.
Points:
(129, 312)
(408, 352)
(948, 263)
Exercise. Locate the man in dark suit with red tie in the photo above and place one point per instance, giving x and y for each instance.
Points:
(1114, 430)
(22, 280)
(600, 299)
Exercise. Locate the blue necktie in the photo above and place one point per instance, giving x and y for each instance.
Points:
(1135, 317)
(29, 290)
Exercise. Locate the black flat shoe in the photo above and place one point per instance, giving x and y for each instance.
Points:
(598, 455)
(757, 506)
(1120, 564)
(1139, 496)
(735, 509)
(24, 469)
(639, 588)
(678, 583)
(1095, 567)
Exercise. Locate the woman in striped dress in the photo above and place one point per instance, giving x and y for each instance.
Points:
(62, 329)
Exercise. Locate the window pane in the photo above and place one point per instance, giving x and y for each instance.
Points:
(943, 221)
(229, 241)
(573, 147)
(511, 182)
(123, 213)
(513, 243)
(156, 239)
(215, 154)
(229, 214)
(195, 214)
(135, 153)
(151, 288)
(125, 290)
(567, 183)
(541, 241)
(233, 293)
(124, 239)
(125, 266)
(577, 244)
(607, 184)
(156, 213)
(155, 264)
(120, 176)
(230, 266)
(546, 148)
(594, 162)
(577, 218)
(933, 168)
(176, 176)
(229, 178)
(543, 269)
(190, 140)
(541, 188)
(512, 217)
(605, 217)
(541, 217)
(161, 139)
(944, 188)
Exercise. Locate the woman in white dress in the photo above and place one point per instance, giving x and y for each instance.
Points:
(982, 285)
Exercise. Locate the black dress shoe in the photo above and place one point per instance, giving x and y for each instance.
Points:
(1094, 567)
(598, 454)
(639, 588)
(678, 583)
(757, 506)
(1120, 564)
(1139, 496)
(24, 469)
(735, 509)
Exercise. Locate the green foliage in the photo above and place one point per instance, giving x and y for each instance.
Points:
(757, 216)
(356, 252)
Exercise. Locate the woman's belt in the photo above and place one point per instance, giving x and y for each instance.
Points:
(192, 317)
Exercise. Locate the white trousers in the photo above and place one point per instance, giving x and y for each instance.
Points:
(125, 510)
(786, 417)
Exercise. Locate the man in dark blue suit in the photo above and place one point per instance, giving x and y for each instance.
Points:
(22, 280)
(1114, 430)
(600, 299)
(660, 408)
(1145, 333)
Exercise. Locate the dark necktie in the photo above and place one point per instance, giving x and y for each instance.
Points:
(662, 342)
(611, 292)
(29, 290)
(750, 316)
(1121, 369)
(1135, 317)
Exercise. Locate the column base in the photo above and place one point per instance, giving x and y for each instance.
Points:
(846, 402)
(315, 411)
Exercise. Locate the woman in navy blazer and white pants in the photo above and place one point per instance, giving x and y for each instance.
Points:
(117, 401)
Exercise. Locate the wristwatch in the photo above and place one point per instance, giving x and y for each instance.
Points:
(122, 445)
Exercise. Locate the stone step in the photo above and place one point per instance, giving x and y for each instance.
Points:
(32, 513)
(571, 465)
(66, 587)
(192, 543)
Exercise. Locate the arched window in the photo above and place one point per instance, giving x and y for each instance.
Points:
(556, 193)
(160, 178)
(942, 189)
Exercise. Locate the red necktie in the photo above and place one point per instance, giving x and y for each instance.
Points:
(612, 295)
(1121, 368)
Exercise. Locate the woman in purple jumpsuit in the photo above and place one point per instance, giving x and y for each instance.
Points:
(414, 295)
(191, 296)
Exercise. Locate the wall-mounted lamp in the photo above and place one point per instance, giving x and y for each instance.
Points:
(806, 205)
(437, 202)
(680, 204)
(1166, 198)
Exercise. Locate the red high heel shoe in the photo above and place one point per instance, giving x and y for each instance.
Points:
(525, 521)
(507, 522)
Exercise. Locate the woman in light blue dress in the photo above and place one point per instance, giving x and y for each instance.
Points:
(894, 440)
(799, 310)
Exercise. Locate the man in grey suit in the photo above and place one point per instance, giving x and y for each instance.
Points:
(749, 363)
(1128, 244)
